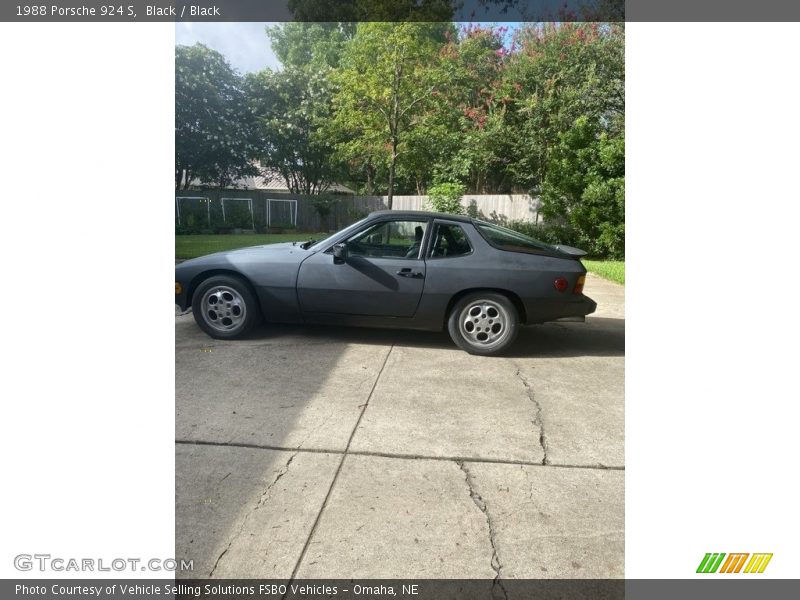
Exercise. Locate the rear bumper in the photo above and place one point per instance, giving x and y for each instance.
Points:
(588, 306)
(574, 309)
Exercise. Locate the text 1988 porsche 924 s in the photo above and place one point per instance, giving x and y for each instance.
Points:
(398, 269)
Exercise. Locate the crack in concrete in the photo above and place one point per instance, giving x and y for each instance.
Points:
(281, 473)
(261, 501)
(403, 456)
(538, 420)
(498, 589)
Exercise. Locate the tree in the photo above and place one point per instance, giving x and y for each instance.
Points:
(310, 46)
(558, 73)
(317, 48)
(446, 198)
(213, 132)
(472, 113)
(383, 85)
(289, 107)
(566, 84)
(585, 186)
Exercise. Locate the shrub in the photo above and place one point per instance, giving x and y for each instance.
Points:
(446, 198)
(324, 206)
(547, 233)
(237, 216)
(192, 229)
(585, 187)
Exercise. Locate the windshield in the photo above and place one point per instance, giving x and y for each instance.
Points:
(317, 245)
(507, 239)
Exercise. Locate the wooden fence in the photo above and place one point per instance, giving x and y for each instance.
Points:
(498, 208)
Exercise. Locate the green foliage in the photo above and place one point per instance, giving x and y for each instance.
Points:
(383, 85)
(446, 198)
(290, 107)
(324, 205)
(213, 130)
(558, 74)
(470, 117)
(191, 229)
(585, 186)
(237, 216)
(547, 233)
(312, 46)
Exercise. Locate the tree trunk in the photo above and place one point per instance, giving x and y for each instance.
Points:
(392, 167)
(370, 185)
(394, 124)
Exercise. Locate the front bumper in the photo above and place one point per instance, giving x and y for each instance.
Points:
(182, 297)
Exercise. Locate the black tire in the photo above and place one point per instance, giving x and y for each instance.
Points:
(483, 323)
(225, 307)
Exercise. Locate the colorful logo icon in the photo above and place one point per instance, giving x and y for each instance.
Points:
(734, 562)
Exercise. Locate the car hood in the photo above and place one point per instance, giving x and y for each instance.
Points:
(280, 252)
(279, 247)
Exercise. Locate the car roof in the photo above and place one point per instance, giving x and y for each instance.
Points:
(422, 214)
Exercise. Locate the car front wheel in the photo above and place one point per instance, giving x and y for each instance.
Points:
(225, 308)
(484, 323)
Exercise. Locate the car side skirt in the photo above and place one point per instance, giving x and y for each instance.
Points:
(378, 322)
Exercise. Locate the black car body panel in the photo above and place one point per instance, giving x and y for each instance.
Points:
(295, 284)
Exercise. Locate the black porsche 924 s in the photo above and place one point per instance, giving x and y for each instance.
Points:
(396, 269)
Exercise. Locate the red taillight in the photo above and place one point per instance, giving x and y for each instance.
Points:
(579, 285)
(561, 284)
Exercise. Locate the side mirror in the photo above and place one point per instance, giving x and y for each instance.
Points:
(339, 254)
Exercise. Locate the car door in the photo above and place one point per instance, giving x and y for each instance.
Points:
(383, 274)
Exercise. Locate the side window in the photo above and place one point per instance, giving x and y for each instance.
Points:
(449, 241)
(506, 239)
(389, 239)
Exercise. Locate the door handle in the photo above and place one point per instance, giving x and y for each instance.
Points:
(406, 272)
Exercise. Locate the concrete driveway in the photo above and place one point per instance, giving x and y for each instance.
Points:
(326, 452)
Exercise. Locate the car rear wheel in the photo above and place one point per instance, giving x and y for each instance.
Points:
(225, 307)
(484, 323)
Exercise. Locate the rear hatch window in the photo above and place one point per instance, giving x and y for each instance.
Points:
(507, 239)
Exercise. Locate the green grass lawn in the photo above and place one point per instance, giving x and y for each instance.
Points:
(192, 246)
(607, 269)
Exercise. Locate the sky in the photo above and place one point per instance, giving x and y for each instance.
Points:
(245, 45)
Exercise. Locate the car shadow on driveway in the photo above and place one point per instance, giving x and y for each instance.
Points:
(243, 411)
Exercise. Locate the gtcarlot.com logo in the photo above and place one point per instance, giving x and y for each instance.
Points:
(734, 563)
(46, 562)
